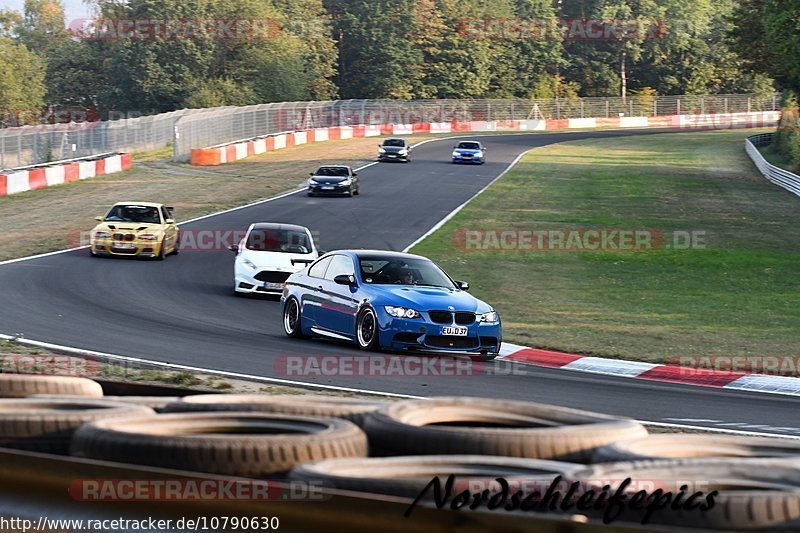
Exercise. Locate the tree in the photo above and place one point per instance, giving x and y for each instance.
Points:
(21, 78)
(752, 33)
(43, 29)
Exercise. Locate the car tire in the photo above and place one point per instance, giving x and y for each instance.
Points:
(353, 409)
(407, 476)
(44, 425)
(161, 255)
(753, 494)
(24, 385)
(668, 446)
(488, 426)
(292, 315)
(176, 250)
(357, 191)
(310, 194)
(368, 337)
(234, 444)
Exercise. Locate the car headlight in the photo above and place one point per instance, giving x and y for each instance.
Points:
(402, 152)
(102, 235)
(456, 154)
(148, 237)
(345, 183)
(488, 318)
(401, 312)
(312, 181)
(249, 263)
(381, 151)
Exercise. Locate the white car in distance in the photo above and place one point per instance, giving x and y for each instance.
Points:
(268, 254)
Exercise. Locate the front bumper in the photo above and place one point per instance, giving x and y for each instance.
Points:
(135, 248)
(330, 189)
(392, 157)
(422, 334)
(477, 158)
(260, 281)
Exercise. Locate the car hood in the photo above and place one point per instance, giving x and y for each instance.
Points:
(329, 179)
(428, 298)
(277, 260)
(467, 150)
(393, 149)
(130, 227)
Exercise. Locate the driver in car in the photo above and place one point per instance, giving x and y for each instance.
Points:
(407, 278)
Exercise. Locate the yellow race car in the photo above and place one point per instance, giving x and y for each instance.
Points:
(136, 229)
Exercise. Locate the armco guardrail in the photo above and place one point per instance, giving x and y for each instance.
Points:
(239, 149)
(213, 127)
(75, 135)
(777, 175)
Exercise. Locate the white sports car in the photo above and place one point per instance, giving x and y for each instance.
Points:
(268, 254)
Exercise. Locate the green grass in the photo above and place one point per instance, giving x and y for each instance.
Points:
(740, 294)
(774, 157)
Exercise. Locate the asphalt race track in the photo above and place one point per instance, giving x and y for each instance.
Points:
(182, 310)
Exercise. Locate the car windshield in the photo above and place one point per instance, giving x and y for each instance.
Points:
(278, 240)
(332, 171)
(394, 142)
(469, 145)
(377, 270)
(133, 213)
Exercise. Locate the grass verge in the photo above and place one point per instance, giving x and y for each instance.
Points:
(738, 293)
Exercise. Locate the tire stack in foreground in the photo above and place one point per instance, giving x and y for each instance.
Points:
(397, 448)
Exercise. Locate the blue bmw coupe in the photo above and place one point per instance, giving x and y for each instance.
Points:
(388, 300)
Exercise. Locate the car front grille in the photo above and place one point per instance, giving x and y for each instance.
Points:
(441, 341)
(272, 277)
(124, 237)
(465, 318)
(441, 317)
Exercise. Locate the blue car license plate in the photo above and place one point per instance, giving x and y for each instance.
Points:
(455, 331)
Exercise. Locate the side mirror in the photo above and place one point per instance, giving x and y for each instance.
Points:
(355, 174)
(234, 248)
(169, 221)
(99, 219)
(345, 279)
(170, 209)
(463, 285)
(310, 173)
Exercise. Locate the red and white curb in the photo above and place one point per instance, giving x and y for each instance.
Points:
(651, 371)
(35, 177)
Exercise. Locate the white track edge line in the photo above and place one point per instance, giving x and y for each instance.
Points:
(79, 351)
(455, 211)
(173, 366)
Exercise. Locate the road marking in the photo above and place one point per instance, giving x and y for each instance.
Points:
(455, 211)
(250, 377)
(172, 366)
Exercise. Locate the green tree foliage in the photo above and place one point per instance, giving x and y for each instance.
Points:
(766, 33)
(22, 72)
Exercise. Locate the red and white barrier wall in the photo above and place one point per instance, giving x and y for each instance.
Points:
(226, 153)
(38, 177)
